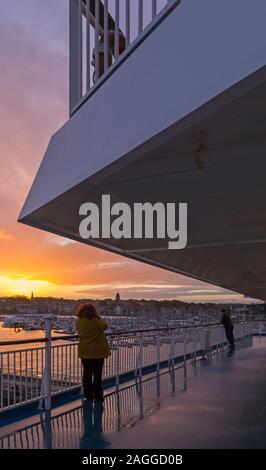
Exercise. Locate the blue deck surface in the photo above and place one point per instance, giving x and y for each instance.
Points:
(223, 405)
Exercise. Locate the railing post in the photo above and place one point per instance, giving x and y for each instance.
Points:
(97, 40)
(202, 342)
(1, 382)
(128, 23)
(106, 45)
(117, 22)
(210, 343)
(172, 351)
(118, 363)
(75, 53)
(217, 340)
(194, 349)
(139, 359)
(158, 353)
(47, 371)
(154, 8)
(185, 361)
(140, 16)
(158, 389)
(88, 44)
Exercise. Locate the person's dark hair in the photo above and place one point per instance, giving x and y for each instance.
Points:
(87, 311)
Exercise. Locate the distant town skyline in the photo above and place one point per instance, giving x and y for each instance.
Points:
(34, 103)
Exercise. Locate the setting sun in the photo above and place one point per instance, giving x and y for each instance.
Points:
(23, 286)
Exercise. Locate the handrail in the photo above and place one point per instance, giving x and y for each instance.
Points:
(148, 330)
(117, 333)
(77, 98)
(23, 341)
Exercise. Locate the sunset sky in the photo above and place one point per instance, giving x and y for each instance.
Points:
(33, 105)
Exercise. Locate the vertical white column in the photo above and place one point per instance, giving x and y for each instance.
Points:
(117, 20)
(75, 52)
(154, 8)
(185, 360)
(141, 356)
(47, 375)
(118, 362)
(88, 43)
(172, 351)
(97, 34)
(8, 379)
(106, 45)
(2, 381)
(140, 19)
(158, 351)
(194, 349)
(127, 23)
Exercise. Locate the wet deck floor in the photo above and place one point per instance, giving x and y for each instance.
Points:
(223, 406)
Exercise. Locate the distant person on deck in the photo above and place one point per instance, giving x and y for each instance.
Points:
(229, 329)
(111, 50)
(93, 349)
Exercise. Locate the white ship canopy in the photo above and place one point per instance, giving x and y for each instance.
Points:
(199, 78)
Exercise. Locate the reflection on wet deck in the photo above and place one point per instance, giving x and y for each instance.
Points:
(85, 425)
(222, 404)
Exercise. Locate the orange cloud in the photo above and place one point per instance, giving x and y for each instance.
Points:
(5, 235)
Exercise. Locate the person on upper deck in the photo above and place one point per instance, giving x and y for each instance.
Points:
(111, 50)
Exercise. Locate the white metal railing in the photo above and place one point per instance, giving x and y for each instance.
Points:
(38, 373)
(102, 33)
(123, 408)
(21, 376)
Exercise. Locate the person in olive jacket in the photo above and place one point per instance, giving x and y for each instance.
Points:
(93, 349)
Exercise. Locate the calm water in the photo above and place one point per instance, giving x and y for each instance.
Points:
(8, 334)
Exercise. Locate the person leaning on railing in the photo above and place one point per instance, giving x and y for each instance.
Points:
(111, 50)
(93, 348)
(227, 323)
